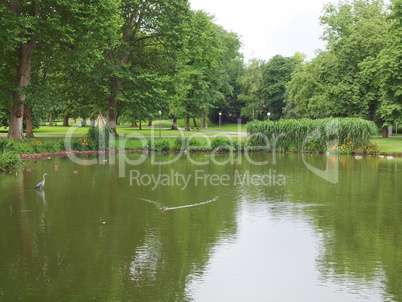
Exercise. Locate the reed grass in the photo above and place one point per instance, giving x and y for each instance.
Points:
(320, 135)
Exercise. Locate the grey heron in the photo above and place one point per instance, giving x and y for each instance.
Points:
(42, 183)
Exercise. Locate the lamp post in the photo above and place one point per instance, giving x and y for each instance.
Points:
(268, 114)
(220, 116)
(160, 122)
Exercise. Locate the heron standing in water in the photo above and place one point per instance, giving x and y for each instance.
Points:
(42, 183)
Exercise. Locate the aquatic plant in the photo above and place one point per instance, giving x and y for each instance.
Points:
(313, 135)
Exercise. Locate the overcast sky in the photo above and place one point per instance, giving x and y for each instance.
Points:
(270, 27)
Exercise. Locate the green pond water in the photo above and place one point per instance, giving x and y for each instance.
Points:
(259, 227)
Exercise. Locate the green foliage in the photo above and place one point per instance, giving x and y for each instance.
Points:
(159, 146)
(372, 148)
(8, 159)
(203, 80)
(221, 143)
(335, 83)
(312, 135)
(231, 105)
(187, 143)
(16, 146)
(163, 145)
(385, 70)
(251, 84)
(276, 74)
(98, 139)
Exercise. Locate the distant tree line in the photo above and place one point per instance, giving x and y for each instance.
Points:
(359, 74)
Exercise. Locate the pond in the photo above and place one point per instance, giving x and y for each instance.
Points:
(200, 227)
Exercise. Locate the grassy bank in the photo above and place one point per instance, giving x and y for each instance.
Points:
(389, 145)
(203, 141)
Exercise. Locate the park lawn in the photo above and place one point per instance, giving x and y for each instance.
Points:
(211, 126)
(121, 130)
(134, 131)
(129, 131)
(52, 130)
(389, 145)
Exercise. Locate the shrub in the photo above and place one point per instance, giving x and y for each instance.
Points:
(313, 135)
(188, 143)
(162, 145)
(99, 139)
(3, 143)
(221, 143)
(82, 144)
(8, 159)
(17, 146)
(372, 148)
(51, 146)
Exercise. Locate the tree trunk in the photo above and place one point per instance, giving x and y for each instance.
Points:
(112, 114)
(50, 119)
(203, 122)
(16, 130)
(111, 118)
(140, 125)
(149, 123)
(195, 123)
(384, 132)
(92, 120)
(65, 120)
(23, 69)
(28, 120)
(174, 124)
(74, 121)
(187, 127)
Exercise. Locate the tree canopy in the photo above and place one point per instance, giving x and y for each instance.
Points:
(357, 75)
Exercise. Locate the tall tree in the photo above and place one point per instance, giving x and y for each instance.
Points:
(29, 25)
(231, 105)
(203, 77)
(386, 70)
(251, 83)
(333, 83)
(155, 24)
(276, 74)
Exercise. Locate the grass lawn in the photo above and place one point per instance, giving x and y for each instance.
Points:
(121, 130)
(167, 123)
(389, 145)
(146, 131)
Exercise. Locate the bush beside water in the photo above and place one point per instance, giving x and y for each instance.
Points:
(162, 145)
(8, 157)
(344, 135)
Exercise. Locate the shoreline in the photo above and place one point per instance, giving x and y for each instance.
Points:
(67, 153)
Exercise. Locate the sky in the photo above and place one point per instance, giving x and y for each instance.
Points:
(270, 27)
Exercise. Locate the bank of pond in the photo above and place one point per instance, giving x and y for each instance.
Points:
(331, 135)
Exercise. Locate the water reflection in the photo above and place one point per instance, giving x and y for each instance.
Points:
(270, 228)
(41, 193)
